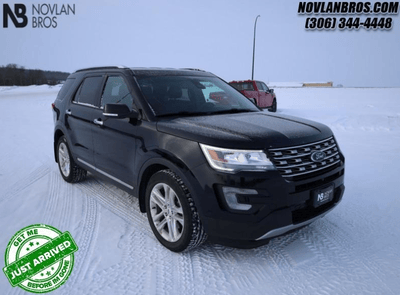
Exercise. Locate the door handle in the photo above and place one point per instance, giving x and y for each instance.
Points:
(68, 112)
(98, 122)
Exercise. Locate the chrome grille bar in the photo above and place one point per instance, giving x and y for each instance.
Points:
(296, 160)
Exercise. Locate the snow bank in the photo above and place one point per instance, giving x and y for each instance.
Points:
(32, 89)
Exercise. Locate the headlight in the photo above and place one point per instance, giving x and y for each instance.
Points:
(230, 160)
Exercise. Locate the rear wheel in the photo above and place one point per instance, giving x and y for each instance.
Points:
(172, 213)
(68, 168)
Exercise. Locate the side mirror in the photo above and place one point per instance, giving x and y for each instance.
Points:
(253, 100)
(119, 111)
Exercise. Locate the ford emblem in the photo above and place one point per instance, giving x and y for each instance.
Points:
(318, 156)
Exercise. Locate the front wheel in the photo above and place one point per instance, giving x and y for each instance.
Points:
(274, 106)
(172, 214)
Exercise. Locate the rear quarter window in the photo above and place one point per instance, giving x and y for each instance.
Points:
(65, 88)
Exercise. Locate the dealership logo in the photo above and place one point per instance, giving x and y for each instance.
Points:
(39, 258)
(18, 13)
(43, 16)
(318, 156)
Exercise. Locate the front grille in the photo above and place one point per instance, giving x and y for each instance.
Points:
(296, 160)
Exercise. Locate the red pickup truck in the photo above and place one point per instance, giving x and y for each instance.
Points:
(264, 97)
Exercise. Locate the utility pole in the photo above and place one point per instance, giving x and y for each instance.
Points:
(254, 47)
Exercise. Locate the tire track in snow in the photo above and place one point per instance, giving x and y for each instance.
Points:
(85, 240)
(117, 201)
(53, 200)
(243, 271)
(58, 197)
(60, 202)
(25, 182)
(159, 277)
(140, 270)
(204, 261)
(186, 269)
(332, 248)
(127, 208)
(69, 206)
(343, 247)
(165, 273)
(139, 237)
(239, 275)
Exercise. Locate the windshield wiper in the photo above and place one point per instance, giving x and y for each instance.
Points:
(233, 111)
(185, 113)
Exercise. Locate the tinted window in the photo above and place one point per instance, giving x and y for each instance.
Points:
(265, 87)
(243, 86)
(259, 86)
(187, 95)
(66, 87)
(116, 91)
(88, 90)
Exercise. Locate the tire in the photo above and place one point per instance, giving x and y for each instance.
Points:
(68, 168)
(274, 106)
(174, 220)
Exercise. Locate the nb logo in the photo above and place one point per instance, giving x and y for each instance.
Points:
(321, 197)
(18, 13)
(324, 196)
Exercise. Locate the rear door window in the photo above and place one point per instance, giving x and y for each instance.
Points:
(89, 90)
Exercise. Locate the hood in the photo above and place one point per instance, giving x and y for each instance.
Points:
(246, 130)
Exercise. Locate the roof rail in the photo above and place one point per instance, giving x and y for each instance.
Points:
(101, 68)
(191, 69)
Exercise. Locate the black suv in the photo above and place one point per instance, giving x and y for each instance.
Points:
(201, 167)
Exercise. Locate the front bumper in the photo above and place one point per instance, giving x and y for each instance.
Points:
(280, 205)
(289, 228)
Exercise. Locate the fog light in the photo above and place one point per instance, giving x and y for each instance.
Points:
(231, 198)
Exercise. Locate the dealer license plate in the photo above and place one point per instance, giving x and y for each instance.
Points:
(323, 196)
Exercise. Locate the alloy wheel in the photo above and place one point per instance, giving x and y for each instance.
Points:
(64, 160)
(166, 212)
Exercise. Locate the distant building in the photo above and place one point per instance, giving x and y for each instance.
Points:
(318, 84)
(298, 84)
(284, 84)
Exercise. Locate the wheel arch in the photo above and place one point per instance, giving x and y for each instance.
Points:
(154, 165)
(57, 135)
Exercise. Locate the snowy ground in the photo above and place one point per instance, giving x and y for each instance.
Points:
(355, 249)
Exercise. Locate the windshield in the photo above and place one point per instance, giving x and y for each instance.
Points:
(192, 95)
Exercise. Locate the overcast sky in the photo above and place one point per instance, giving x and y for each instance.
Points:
(216, 36)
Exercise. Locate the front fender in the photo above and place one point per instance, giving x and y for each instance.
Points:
(178, 167)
